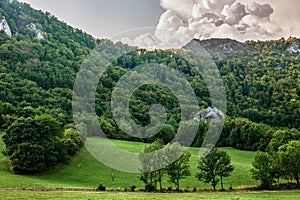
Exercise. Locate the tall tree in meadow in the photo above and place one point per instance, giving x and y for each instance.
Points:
(224, 166)
(152, 162)
(179, 169)
(263, 169)
(290, 154)
(214, 167)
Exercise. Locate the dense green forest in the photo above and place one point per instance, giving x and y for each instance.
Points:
(37, 77)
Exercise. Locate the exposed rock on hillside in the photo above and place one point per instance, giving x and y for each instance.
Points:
(294, 48)
(210, 114)
(38, 33)
(5, 27)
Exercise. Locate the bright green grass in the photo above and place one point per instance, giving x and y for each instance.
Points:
(124, 196)
(84, 171)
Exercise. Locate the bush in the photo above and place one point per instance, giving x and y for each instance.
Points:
(133, 187)
(150, 188)
(72, 141)
(34, 144)
(101, 187)
(28, 159)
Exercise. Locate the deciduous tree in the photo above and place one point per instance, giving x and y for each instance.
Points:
(214, 167)
(179, 169)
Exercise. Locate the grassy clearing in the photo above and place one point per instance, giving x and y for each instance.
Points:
(124, 196)
(84, 171)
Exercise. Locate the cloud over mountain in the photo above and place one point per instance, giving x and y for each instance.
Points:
(242, 20)
(204, 19)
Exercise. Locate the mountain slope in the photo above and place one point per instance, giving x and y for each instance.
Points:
(262, 78)
(39, 62)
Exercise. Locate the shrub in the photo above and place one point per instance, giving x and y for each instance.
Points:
(133, 187)
(72, 141)
(101, 187)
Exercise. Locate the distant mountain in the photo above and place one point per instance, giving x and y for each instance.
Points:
(222, 48)
(219, 47)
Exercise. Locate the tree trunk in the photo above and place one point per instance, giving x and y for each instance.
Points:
(160, 174)
(214, 183)
(177, 185)
(221, 179)
(178, 178)
(160, 185)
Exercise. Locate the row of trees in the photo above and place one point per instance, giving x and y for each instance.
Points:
(212, 168)
(280, 161)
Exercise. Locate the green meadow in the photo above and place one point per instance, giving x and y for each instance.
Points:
(84, 171)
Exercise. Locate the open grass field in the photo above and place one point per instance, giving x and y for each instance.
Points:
(84, 171)
(124, 196)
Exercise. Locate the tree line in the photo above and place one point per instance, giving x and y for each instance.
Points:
(280, 161)
(215, 166)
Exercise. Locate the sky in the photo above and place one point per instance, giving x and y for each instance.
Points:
(103, 18)
(176, 19)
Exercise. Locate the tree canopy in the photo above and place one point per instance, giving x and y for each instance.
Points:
(214, 167)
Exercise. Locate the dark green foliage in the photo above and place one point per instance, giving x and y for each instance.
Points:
(214, 167)
(153, 165)
(224, 165)
(281, 161)
(133, 187)
(28, 158)
(263, 170)
(289, 155)
(101, 187)
(181, 167)
(39, 135)
(39, 73)
(151, 172)
(241, 133)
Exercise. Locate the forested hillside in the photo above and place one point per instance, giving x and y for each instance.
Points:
(40, 58)
(38, 74)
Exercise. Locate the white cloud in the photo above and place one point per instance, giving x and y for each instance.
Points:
(237, 19)
(234, 13)
(264, 10)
